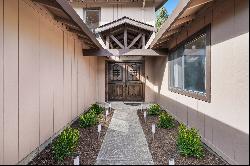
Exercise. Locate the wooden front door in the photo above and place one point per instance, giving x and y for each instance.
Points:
(125, 81)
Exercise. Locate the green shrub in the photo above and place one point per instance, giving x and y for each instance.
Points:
(97, 109)
(65, 144)
(166, 121)
(154, 109)
(89, 119)
(189, 142)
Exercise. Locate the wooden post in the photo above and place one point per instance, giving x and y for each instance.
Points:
(125, 37)
(107, 42)
(143, 41)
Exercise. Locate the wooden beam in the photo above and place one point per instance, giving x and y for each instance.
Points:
(196, 3)
(125, 52)
(116, 41)
(107, 42)
(135, 40)
(125, 37)
(47, 3)
(143, 40)
(183, 20)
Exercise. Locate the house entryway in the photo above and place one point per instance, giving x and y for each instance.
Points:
(125, 81)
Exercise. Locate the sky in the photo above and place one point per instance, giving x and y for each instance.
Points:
(170, 5)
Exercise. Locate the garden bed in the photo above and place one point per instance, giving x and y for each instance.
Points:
(164, 146)
(87, 148)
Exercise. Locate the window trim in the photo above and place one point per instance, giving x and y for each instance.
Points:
(197, 95)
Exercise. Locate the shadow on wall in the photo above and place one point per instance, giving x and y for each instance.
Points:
(230, 143)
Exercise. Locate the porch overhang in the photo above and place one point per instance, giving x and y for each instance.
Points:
(125, 52)
(182, 16)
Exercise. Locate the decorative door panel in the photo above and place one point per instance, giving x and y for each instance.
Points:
(134, 92)
(115, 92)
(125, 81)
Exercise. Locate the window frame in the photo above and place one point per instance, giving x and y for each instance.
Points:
(197, 95)
(93, 9)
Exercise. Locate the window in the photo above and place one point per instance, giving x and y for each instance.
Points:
(189, 67)
(91, 17)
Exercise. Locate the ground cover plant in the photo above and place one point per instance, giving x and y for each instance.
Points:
(62, 150)
(154, 110)
(165, 121)
(65, 144)
(189, 142)
(165, 144)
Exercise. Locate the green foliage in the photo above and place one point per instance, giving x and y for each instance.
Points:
(161, 17)
(189, 142)
(166, 121)
(89, 119)
(65, 144)
(154, 109)
(96, 109)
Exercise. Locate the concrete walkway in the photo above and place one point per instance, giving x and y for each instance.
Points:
(125, 142)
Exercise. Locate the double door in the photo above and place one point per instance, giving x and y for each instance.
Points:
(125, 81)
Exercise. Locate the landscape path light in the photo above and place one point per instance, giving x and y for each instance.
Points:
(77, 160)
(99, 130)
(171, 161)
(153, 131)
(145, 116)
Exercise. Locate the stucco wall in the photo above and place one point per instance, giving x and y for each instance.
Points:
(223, 123)
(45, 82)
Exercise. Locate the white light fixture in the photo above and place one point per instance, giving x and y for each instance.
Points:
(171, 161)
(153, 130)
(145, 116)
(76, 161)
(99, 130)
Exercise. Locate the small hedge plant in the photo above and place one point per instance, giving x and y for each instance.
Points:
(166, 121)
(89, 119)
(97, 109)
(65, 144)
(154, 109)
(189, 142)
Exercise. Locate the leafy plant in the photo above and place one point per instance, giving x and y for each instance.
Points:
(89, 119)
(166, 121)
(161, 17)
(65, 144)
(97, 109)
(189, 142)
(154, 109)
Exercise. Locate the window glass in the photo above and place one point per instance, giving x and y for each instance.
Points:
(194, 65)
(187, 66)
(92, 18)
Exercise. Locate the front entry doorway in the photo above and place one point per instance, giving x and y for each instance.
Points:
(125, 81)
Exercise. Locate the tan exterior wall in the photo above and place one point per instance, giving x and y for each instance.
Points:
(146, 15)
(45, 82)
(223, 123)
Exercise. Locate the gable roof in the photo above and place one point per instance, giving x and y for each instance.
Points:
(125, 20)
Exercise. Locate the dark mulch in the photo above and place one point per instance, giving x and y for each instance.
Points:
(88, 147)
(164, 147)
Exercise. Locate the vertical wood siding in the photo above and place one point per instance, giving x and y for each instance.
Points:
(44, 79)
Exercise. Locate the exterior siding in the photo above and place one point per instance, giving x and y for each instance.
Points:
(223, 123)
(44, 79)
(146, 15)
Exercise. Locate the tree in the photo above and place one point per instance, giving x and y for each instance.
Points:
(161, 17)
